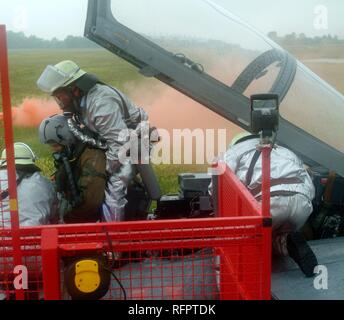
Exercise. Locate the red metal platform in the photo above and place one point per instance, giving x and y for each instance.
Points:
(227, 257)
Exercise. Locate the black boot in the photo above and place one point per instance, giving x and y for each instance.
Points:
(301, 253)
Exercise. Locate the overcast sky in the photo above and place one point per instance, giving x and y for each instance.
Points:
(59, 18)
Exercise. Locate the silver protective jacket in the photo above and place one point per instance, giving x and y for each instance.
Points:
(37, 202)
(284, 164)
(103, 113)
(289, 212)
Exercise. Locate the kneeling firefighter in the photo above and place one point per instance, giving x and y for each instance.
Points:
(36, 195)
(37, 206)
(81, 172)
(292, 192)
(106, 112)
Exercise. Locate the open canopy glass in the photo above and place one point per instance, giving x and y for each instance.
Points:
(212, 56)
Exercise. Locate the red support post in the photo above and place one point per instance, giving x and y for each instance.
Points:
(266, 152)
(267, 229)
(11, 170)
(50, 264)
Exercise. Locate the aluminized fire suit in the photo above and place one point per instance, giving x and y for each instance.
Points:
(103, 112)
(37, 205)
(291, 202)
(37, 202)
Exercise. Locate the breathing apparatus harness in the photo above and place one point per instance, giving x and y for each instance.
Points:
(63, 160)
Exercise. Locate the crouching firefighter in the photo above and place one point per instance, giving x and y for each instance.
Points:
(291, 187)
(81, 172)
(37, 202)
(105, 111)
(292, 192)
(37, 206)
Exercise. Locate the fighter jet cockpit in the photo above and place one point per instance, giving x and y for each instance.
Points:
(212, 56)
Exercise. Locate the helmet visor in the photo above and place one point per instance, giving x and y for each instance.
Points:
(53, 78)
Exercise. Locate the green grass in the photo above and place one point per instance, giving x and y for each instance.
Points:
(168, 175)
(27, 65)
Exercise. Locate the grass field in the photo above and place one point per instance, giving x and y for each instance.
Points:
(27, 65)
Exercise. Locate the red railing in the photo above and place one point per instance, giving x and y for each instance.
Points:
(233, 199)
(218, 258)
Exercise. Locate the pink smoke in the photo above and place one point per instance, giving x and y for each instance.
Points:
(168, 109)
(33, 111)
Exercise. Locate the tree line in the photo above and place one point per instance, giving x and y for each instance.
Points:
(18, 40)
(294, 39)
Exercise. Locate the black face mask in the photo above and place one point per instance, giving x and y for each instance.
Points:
(67, 152)
(73, 106)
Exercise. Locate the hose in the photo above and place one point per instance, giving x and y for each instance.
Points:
(71, 182)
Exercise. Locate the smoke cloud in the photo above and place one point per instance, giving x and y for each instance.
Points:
(168, 109)
(33, 111)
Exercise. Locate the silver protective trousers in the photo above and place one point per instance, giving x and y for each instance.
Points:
(116, 192)
(289, 214)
